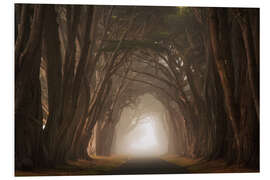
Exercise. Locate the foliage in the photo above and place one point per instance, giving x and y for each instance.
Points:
(111, 45)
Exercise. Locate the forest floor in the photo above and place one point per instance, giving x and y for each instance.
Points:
(171, 164)
(202, 166)
(97, 166)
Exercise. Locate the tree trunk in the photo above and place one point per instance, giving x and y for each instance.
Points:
(28, 112)
(54, 75)
(222, 54)
(253, 70)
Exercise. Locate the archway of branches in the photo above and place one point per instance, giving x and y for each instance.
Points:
(146, 106)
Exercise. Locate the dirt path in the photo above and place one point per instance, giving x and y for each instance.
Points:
(148, 166)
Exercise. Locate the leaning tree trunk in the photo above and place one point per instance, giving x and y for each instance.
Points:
(54, 75)
(253, 69)
(28, 111)
(222, 55)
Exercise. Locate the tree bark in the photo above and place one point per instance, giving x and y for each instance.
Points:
(221, 51)
(28, 112)
(54, 76)
(253, 70)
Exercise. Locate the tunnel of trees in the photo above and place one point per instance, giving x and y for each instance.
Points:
(78, 67)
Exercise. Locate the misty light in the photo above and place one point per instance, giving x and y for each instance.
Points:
(143, 133)
(143, 140)
(144, 136)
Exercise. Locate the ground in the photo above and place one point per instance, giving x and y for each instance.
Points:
(126, 165)
(201, 166)
(99, 165)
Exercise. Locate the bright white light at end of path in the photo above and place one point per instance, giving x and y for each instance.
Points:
(147, 138)
(143, 139)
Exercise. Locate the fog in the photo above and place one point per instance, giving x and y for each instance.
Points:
(142, 129)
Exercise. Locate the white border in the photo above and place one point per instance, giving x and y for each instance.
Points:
(7, 82)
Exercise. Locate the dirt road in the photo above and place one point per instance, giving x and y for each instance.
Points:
(148, 166)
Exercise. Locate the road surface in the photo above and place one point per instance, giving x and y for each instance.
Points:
(148, 166)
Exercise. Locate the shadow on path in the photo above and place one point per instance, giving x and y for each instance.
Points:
(147, 166)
